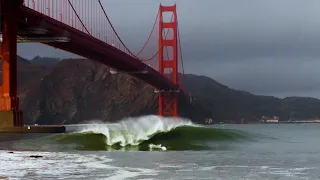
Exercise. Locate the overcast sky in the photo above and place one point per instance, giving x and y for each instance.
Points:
(269, 47)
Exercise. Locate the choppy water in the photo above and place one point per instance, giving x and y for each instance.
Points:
(153, 148)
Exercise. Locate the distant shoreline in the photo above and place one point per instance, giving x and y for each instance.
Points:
(294, 122)
(280, 122)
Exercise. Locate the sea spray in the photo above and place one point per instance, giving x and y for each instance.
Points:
(133, 131)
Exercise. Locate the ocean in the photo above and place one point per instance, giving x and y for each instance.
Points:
(150, 147)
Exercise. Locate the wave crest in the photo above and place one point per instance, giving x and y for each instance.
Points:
(133, 131)
(147, 133)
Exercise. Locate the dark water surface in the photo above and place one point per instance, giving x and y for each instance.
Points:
(150, 148)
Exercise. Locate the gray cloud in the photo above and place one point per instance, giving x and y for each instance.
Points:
(268, 76)
(265, 47)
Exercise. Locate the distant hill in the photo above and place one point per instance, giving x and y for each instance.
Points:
(227, 104)
(45, 61)
(77, 90)
(20, 61)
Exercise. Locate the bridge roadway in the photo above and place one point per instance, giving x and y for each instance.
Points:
(90, 47)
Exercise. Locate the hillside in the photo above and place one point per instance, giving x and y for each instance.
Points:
(77, 90)
(228, 104)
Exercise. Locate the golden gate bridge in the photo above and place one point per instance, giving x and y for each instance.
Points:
(82, 27)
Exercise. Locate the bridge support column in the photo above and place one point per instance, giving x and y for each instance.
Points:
(168, 104)
(10, 114)
(168, 100)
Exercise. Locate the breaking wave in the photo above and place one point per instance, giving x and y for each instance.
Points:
(146, 133)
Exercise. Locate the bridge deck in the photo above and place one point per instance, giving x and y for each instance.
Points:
(87, 46)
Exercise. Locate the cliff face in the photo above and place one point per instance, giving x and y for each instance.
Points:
(78, 90)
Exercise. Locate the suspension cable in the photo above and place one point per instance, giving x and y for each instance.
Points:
(117, 33)
(105, 14)
(78, 17)
(180, 52)
(166, 35)
(154, 24)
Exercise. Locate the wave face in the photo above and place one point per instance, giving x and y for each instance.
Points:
(146, 133)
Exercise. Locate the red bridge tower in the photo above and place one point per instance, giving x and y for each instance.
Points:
(10, 114)
(168, 99)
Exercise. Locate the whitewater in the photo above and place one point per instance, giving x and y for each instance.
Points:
(133, 131)
(147, 133)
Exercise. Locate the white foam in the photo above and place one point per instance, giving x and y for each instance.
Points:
(132, 172)
(132, 131)
(289, 172)
(157, 146)
(20, 165)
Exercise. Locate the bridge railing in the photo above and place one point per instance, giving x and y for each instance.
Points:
(87, 16)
